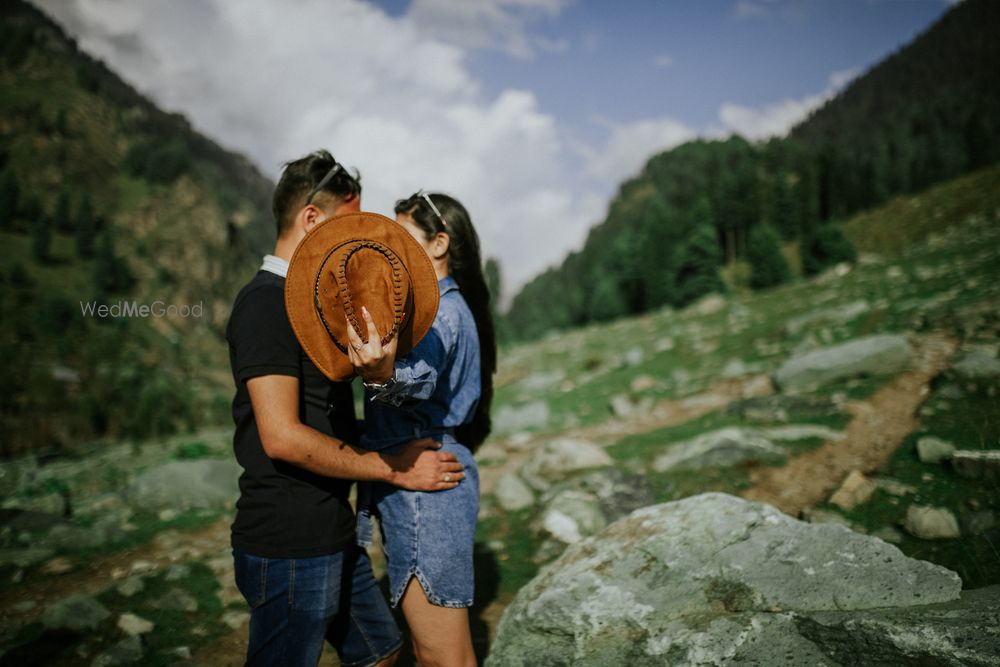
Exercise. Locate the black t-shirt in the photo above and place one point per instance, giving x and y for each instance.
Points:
(284, 511)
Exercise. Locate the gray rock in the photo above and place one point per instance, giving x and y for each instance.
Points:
(126, 652)
(570, 516)
(793, 432)
(24, 557)
(934, 450)
(131, 586)
(617, 492)
(626, 407)
(106, 530)
(633, 357)
(836, 315)
(977, 368)
(979, 464)
(541, 382)
(930, 523)
(76, 612)
(856, 489)
(512, 418)
(512, 493)
(176, 599)
(235, 619)
(133, 625)
(176, 572)
(193, 483)
(783, 408)
(718, 449)
(713, 579)
(889, 534)
(555, 459)
(976, 523)
(735, 368)
(874, 355)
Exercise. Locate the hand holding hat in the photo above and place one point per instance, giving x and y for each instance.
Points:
(351, 278)
(372, 360)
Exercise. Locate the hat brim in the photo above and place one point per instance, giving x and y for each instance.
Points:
(308, 260)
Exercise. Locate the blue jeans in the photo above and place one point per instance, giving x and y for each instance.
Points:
(297, 603)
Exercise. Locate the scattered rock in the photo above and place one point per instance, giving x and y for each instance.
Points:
(719, 449)
(491, 453)
(512, 493)
(934, 450)
(814, 515)
(889, 534)
(184, 484)
(176, 572)
(176, 599)
(930, 523)
(556, 458)
(977, 369)
(855, 490)
(133, 625)
(979, 464)
(793, 432)
(131, 586)
(708, 305)
(977, 523)
(533, 415)
(626, 407)
(735, 368)
(664, 344)
(783, 408)
(184, 652)
(894, 486)
(236, 619)
(76, 612)
(542, 382)
(125, 652)
(641, 383)
(617, 492)
(24, 557)
(570, 516)
(874, 355)
(59, 565)
(633, 356)
(837, 315)
(713, 579)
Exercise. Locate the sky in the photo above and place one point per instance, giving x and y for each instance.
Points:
(531, 112)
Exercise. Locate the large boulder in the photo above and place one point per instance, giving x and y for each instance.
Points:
(716, 580)
(183, 484)
(874, 355)
(719, 449)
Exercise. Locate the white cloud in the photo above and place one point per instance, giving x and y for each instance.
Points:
(493, 24)
(776, 119)
(663, 61)
(378, 91)
(630, 145)
(745, 9)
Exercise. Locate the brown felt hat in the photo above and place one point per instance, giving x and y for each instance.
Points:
(354, 260)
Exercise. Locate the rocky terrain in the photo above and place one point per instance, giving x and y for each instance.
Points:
(807, 475)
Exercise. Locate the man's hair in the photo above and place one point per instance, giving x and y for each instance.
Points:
(315, 178)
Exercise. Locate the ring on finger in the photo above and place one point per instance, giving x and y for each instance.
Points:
(447, 477)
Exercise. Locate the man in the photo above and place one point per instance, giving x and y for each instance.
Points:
(293, 538)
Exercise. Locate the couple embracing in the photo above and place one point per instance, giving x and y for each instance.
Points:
(404, 305)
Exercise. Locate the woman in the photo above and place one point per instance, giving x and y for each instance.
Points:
(441, 389)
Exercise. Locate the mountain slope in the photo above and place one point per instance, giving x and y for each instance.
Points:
(105, 198)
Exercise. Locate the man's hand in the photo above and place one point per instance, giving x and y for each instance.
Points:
(420, 468)
(371, 360)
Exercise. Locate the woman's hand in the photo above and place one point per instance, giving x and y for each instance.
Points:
(372, 360)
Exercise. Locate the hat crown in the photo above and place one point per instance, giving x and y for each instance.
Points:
(360, 273)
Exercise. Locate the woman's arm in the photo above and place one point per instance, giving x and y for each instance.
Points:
(416, 374)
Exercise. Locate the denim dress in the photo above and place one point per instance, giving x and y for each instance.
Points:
(428, 535)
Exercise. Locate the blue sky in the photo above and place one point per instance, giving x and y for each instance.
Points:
(531, 112)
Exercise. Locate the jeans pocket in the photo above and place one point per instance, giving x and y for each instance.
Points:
(251, 577)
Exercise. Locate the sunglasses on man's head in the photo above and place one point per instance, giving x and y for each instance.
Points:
(323, 181)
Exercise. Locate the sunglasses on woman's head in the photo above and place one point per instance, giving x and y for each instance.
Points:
(427, 198)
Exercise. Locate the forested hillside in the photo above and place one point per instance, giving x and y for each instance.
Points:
(928, 113)
(103, 198)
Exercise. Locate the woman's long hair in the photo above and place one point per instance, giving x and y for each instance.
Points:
(466, 267)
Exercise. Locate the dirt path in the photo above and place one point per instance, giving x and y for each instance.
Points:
(878, 427)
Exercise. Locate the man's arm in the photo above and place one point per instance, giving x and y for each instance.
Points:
(276, 409)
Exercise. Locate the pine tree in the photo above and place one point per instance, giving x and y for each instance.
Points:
(698, 267)
(62, 218)
(85, 228)
(825, 247)
(10, 194)
(767, 263)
